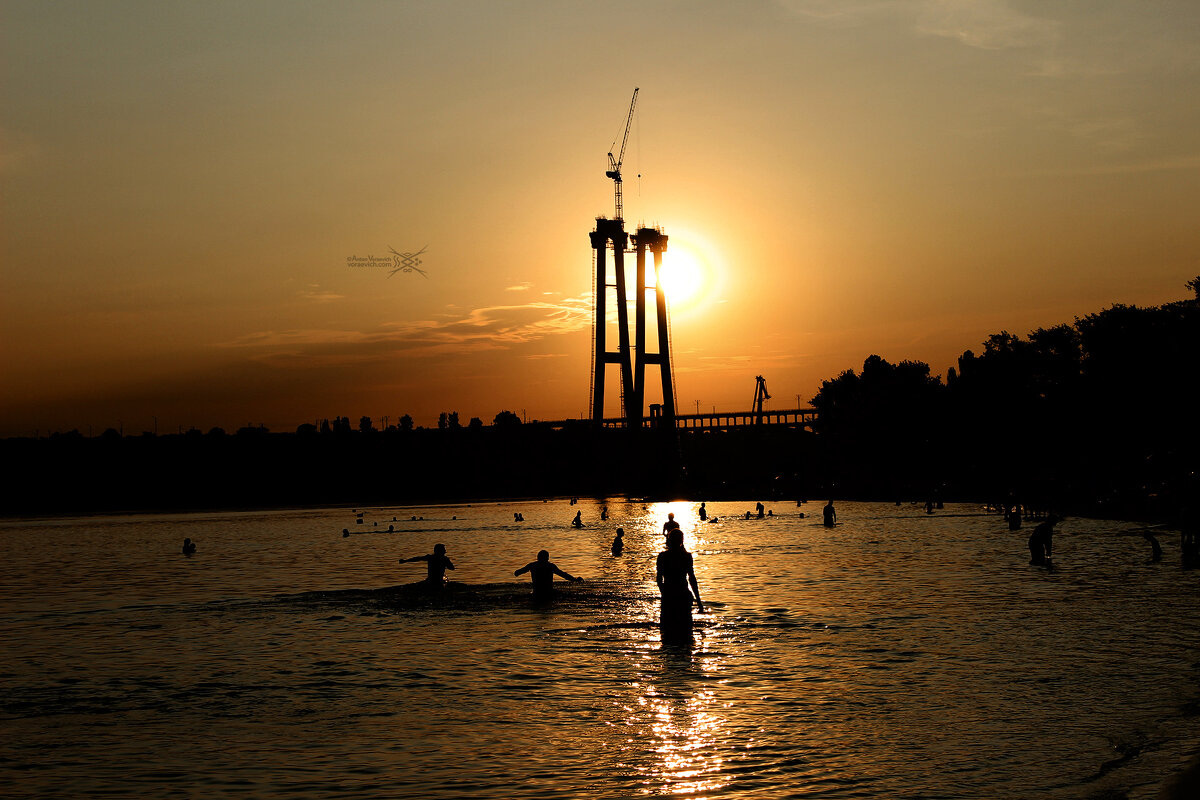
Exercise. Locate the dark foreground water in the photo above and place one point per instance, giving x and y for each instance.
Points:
(898, 655)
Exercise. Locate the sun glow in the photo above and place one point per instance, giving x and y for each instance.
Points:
(687, 276)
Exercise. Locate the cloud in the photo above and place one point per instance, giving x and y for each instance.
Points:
(481, 329)
(986, 24)
(839, 13)
(315, 293)
(1183, 163)
(520, 287)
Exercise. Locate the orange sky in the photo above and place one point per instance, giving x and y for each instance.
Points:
(183, 185)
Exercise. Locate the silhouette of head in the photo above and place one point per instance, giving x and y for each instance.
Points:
(620, 531)
(543, 555)
(670, 516)
(675, 538)
(439, 549)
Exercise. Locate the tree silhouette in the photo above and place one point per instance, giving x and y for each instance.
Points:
(506, 419)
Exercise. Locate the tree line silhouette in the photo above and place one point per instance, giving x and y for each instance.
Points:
(1100, 414)
(1095, 416)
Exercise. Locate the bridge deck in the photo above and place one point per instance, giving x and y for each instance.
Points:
(724, 420)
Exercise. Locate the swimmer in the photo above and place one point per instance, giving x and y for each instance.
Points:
(345, 532)
(618, 543)
(189, 547)
(578, 521)
(670, 524)
(703, 513)
(1040, 545)
(542, 573)
(438, 564)
(830, 515)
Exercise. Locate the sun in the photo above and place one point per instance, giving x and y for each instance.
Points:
(685, 276)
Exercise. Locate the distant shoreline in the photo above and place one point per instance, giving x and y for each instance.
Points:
(813, 502)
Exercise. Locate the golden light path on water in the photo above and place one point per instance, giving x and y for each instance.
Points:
(685, 721)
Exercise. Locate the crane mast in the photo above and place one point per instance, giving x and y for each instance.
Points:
(614, 164)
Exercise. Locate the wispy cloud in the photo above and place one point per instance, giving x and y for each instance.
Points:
(520, 287)
(315, 293)
(986, 24)
(1181, 164)
(839, 12)
(481, 329)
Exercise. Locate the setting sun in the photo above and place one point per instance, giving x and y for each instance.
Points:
(687, 276)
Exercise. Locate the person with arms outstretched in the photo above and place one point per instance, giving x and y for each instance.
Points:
(542, 573)
(438, 564)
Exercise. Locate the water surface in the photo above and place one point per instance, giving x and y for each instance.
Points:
(899, 655)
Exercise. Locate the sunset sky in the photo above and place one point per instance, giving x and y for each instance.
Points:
(183, 184)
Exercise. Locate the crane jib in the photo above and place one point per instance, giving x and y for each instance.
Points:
(615, 163)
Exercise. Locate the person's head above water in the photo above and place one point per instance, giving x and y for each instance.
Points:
(675, 537)
(620, 531)
(439, 549)
(543, 555)
(671, 516)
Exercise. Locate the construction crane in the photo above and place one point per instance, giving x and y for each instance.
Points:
(614, 164)
(760, 396)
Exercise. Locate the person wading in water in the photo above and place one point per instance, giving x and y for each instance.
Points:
(674, 573)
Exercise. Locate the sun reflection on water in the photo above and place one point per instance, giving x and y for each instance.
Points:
(682, 722)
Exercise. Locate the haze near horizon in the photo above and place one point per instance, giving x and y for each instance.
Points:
(187, 189)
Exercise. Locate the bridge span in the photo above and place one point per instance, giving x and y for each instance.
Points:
(725, 420)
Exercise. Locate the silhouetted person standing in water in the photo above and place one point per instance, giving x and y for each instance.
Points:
(1040, 545)
(189, 547)
(830, 515)
(618, 545)
(674, 572)
(578, 521)
(542, 573)
(1155, 547)
(670, 525)
(703, 513)
(1189, 537)
(438, 564)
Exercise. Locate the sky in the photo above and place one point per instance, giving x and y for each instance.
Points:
(184, 187)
